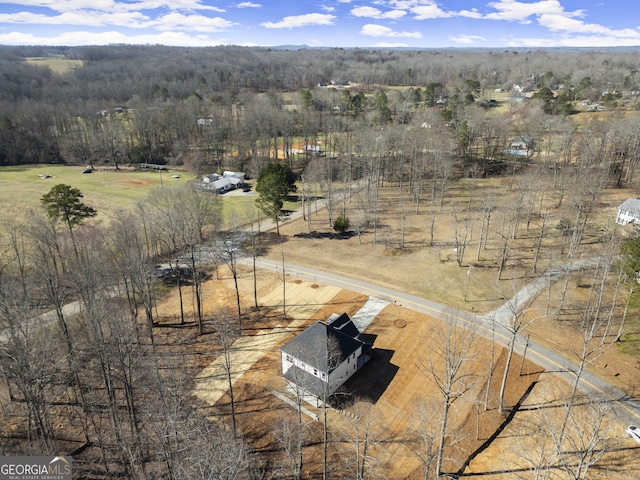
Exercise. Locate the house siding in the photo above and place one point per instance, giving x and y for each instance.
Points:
(336, 378)
(628, 212)
(344, 371)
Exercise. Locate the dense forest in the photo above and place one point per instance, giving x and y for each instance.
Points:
(347, 123)
(249, 100)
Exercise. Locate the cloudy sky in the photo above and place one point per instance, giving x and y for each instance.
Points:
(328, 23)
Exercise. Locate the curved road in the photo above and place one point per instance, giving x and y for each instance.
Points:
(487, 325)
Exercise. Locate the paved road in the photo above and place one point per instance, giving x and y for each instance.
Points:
(487, 325)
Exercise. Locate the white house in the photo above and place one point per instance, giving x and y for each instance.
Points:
(221, 184)
(629, 212)
(324, 356)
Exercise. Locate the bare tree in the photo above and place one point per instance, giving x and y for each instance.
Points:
(182, 218)
(253, 217)
(544, 218)
(126, 244)
(460, 239)
(593, 330)
(447, 365)
(514, 316)
(585, 437)
(362, 434)
(227, 253)
(212, 453)
(426, 427)
(27, 364)
(225, 337)
(487, 207)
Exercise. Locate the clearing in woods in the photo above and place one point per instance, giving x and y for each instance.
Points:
(393, 382)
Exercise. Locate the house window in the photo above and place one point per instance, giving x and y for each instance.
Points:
(288, 358)
(315, 372)
(349, 360)
(323, 376)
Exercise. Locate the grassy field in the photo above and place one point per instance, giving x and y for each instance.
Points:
(58, 65)
(108, 191)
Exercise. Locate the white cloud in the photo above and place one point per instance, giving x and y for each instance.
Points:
(578, 41)
(107, 38)
(111, 6)
(196, 23)
(85, 18)
(560, 23)
(432, 10)
(405, 4)
(390, 45)
(371, 12)
(513, 10)
(467, 39)
(302, 21)
(248, 5)
(372, 30)
(473, 13)
(164, 23)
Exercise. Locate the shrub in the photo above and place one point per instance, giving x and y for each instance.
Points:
(341, 224)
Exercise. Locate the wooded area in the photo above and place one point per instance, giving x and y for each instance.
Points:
(383, 138)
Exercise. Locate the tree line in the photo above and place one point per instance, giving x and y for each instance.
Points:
(233, 107)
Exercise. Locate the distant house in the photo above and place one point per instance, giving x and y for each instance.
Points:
(317, 149)
(522, 142)
(222, 184)
(324, 356)
(629, 212)
(521, 145)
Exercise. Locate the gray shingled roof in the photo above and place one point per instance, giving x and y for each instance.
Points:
(631, 205)
(313, 346)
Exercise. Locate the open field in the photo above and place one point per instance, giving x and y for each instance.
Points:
(107, 190)
(59, 65)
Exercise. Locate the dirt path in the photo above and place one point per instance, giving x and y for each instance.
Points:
(212, 382)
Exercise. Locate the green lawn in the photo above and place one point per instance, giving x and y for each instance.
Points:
(108, 191)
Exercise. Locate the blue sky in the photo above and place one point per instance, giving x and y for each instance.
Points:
(328, 23)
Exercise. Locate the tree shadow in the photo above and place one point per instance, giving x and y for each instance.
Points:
(325, 235)
(503, 425)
